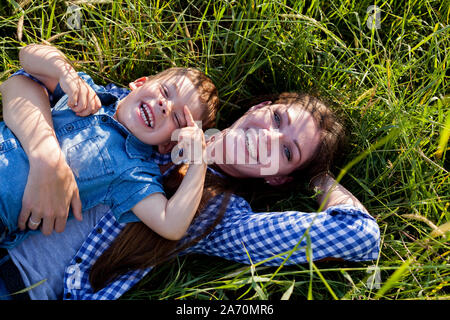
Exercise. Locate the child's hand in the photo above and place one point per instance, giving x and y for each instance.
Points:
(191, 142)
(82, 98)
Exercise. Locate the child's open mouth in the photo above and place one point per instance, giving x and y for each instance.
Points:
(146, 115)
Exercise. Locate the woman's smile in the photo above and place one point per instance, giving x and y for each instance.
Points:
(251, 144)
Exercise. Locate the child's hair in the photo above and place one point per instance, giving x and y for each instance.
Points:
(209, 98)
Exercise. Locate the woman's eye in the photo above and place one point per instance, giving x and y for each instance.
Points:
(277, 119)
(287, 152)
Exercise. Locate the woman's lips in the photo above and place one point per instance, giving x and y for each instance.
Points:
(251, 143)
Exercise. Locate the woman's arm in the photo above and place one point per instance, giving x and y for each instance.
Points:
(340, 232)
(51, 67)
(51, 188)
(332, 193)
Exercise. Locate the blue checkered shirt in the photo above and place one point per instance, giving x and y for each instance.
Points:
(269, 238)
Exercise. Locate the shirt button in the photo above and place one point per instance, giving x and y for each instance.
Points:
(78, 260)
(69, 127)
(104, 118)
(68, 295)
(99, 230)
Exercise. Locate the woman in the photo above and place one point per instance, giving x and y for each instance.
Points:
(301, 132)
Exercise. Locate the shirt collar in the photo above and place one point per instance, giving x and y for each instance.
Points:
(109, 103)
(133, 146)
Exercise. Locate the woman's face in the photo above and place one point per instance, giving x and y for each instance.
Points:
(270, 141)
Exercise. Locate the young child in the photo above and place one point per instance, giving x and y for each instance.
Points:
(110, 152)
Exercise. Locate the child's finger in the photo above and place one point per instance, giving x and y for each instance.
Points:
(94, 101)
(91, 104)
(188, 116)
(98, 103)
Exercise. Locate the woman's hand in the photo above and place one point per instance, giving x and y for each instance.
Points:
(332, 193)
(82, 98)
(50, 191)
(51, 187)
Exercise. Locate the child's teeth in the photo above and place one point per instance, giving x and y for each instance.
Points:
(147, 115)
(150, 115)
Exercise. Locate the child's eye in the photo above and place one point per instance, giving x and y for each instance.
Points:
(164, 91)
(277, 119)
(287, 152)
(177, 122)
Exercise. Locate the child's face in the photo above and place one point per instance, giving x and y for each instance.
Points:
(154, 108)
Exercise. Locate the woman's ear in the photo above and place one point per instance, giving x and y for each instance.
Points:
(278, 180)
(260, 105)
(137, 83)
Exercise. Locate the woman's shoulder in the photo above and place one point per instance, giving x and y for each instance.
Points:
(233, 202)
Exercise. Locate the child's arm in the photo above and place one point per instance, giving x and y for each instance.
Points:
(51, 187)
(50, 66)
(171, 218)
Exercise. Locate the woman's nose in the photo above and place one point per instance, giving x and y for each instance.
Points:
(270, 140)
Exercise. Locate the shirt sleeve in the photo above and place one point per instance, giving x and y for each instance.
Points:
(22, 72)
(58, 93)
(273, 238)
(130, 188)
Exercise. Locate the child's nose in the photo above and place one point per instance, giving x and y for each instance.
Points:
(165, 108)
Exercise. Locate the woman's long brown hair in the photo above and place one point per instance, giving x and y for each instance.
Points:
(139, 247)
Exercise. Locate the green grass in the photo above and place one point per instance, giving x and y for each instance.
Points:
(390, 82)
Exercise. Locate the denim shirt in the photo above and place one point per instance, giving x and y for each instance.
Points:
(110, 165)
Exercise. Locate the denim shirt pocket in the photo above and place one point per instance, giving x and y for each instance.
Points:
(89, 159)
(7, 145)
